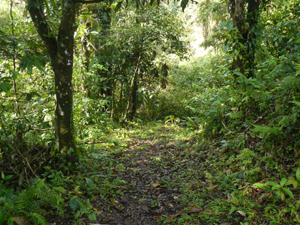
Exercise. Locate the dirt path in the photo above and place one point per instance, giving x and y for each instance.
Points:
(148, 168)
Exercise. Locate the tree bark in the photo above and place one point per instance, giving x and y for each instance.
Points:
(252, 19)
(244, 21)
(164, 75)
(60, 50)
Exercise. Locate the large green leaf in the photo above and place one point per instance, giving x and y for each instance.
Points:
(293, 182)
(262, 186)
(298, 174)
(288, 192)
(296, 103)
(74, 203)
(38, 65)
(283, 181)
(5, 87)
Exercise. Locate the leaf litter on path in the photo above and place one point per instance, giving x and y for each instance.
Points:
(150, 196)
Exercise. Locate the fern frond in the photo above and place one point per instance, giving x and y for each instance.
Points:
(291, 82)
(235, 115)
(26, 201)
(39, 219)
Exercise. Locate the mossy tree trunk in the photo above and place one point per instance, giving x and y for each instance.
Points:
(164, 75)
(244, 20)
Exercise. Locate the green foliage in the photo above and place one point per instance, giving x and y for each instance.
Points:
(129, 62)
(28, 204)
(247, 127)
(281, 189)
(291, 83)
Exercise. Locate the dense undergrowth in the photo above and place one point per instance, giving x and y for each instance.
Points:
(213, 147)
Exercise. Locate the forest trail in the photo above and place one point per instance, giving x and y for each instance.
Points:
(150, 169)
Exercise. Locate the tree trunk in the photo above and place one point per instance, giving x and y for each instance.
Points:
(134, 97)
(164, 75)
(252, 19)
(60, 50)
(245, 22)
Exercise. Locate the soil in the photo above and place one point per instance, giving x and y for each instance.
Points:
(149, 197)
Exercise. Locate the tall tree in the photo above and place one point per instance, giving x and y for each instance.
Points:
(60, 47)
(244, 15)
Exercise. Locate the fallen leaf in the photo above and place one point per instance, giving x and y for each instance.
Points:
(170, 206)
(195, 210)
(175, 197)
(155, 184)
(100, 212)
(212, 187)
(160, 210)
(20, 220)
(175, 215)
(210, 196)
(115, 170)
(225, 223)
(241, 212)
(169, 220)
(76, 190)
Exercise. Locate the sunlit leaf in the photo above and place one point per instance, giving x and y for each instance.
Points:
(276, 187)
(234, 200)
(298, 174)
(295, 102)
(262, 186)
(283, 181)
(232, 210)
(289, 192)
(92, 216)
(293, 182)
